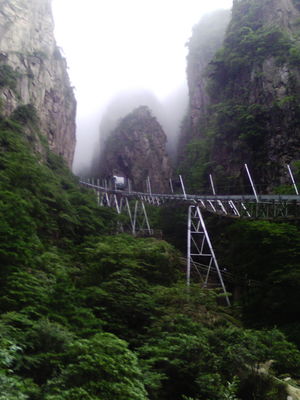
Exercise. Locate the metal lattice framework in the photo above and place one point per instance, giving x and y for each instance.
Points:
(200, 253)
(234, 206)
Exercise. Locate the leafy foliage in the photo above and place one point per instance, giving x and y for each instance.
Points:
(90, 315)
(265, 259)
(25, 114)
(8, 77)
(99, 367)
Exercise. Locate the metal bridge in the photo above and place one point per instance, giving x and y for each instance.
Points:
(200, 253)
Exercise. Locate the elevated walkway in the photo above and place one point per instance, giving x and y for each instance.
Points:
(200, 253)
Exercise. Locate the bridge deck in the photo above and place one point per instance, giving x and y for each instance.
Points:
(270, 206)
(198, 197)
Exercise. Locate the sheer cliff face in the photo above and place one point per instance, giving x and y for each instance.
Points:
(207, 38)
(252, 88)
(136, 149)
(33, 71)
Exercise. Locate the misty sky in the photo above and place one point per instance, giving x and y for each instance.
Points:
(117, 45)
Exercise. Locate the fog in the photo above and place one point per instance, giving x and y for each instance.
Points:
(119, 48)
(169, 113)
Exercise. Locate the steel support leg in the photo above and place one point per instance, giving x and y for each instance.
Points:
(200, 253)
(138, 217)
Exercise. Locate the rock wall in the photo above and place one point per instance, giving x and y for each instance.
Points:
(33, 71)
(136, 149)
(252, 89)
(207, 38)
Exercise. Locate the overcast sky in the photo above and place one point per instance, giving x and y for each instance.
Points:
(113, 45)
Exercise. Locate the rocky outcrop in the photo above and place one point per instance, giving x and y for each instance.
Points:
(169, 113)
(120, 106)
(136, 149)
(33, 71)
(252, 112)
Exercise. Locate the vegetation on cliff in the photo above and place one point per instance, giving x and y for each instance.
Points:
(32, 70)
(252, 116)
(252, 113)
(88, 315)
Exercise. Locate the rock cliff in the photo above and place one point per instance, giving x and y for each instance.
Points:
(33, 71)
(207, 38)
(136, 149)
(120, 106)
(252, 89)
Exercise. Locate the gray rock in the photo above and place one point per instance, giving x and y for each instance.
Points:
(136, 149)
(28, 46)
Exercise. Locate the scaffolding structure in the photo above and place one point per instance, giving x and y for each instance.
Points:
(200, 251)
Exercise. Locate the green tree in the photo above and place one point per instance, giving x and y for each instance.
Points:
(101, 367)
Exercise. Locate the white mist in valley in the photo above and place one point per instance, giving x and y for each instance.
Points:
(121, 49)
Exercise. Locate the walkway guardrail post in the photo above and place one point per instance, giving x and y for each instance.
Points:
(149, 185)
(182, 185)
(212, 184)
(171, 186)
(292, 178)
(251, 181)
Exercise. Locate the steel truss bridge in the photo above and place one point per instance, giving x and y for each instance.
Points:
(200, 253)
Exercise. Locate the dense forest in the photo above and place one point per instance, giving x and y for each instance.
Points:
(89, 314)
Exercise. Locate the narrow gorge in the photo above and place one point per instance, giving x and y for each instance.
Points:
(90, 310)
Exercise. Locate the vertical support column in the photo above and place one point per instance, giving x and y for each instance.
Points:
(130, 216)
(189, 236)
(98, 192)
(135, 216)
(93, 186)
(107, 199)
(146, 218)
(139, 219)
(116, 204)
(200, 250)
